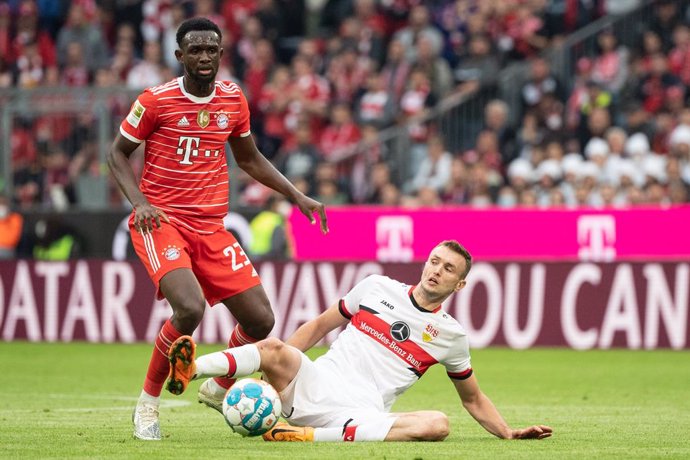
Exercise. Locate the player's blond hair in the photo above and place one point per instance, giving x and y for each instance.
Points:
(453, 245)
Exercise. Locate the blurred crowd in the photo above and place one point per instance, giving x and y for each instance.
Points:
(325, 78)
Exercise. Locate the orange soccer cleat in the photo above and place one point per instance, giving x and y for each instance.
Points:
(182, 366)
(283, 432)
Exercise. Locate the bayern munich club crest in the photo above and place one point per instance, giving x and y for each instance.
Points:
(222, 120)
(171, 253)
(400, 331)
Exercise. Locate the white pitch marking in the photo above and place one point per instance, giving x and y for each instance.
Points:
(165, 403)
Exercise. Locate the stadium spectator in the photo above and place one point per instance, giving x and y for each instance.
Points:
(362, 373)
(348, 72)
(54, 240)
(610, 66)
(434, 170)
(82, 30)
(28, 33)
(11, 225)
(665, 18)
(269, 234)
(376, 107)
(437, 69)
(171, 209)
(419, 25)
(479, 69)
(540, 83)
(396, 69)
(339, 139)
(149, 71)
(653, 85)
(301, 160)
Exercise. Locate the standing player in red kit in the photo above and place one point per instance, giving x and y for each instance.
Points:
(178, 207)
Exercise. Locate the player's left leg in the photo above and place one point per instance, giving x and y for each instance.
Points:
(228, 276)
(425, 425)
(279, 363)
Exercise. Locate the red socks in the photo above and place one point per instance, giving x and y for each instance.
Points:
(159, 366)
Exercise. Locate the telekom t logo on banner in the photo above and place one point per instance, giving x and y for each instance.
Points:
(596, 236)
(394, 238)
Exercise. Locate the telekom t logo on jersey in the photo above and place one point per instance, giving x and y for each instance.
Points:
(189, 147)
(596, 236)
(394, 238)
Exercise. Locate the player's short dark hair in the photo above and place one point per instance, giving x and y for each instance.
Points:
(460, 249)
(196, 24)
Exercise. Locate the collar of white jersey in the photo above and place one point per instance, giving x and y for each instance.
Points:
(193, 98)
(419, 307)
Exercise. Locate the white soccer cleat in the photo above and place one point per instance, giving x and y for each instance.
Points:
(211, 396)
(146, 424)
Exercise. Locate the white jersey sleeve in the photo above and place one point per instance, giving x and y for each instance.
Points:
(349, 304)
(457, 363)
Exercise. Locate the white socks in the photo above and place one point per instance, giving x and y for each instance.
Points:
(233, 362)
(354, 433)
(146, 398)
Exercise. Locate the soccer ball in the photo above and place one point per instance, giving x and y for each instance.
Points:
(251, 407)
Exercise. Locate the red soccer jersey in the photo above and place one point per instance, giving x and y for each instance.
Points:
(185, 171)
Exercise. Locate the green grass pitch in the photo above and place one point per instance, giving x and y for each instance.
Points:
(75, 401)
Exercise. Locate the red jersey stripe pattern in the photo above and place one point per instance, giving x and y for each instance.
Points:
(185, 171)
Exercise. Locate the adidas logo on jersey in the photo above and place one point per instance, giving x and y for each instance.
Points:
(183, 122)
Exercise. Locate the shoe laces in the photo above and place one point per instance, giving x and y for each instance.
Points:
(147, 414)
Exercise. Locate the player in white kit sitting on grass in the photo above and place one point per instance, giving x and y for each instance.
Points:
(394, 333)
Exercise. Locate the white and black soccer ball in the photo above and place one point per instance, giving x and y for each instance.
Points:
(251, 407)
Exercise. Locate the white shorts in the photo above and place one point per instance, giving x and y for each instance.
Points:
(320, 397)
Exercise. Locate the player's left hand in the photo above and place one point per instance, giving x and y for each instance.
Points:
(309, 206)
(533, 432)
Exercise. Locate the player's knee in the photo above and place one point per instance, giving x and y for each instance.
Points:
(260, 327)
(438, 427)
(188, 313)
(272, 350)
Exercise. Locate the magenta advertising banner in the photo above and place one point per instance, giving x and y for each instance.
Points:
(520, 305)
(395, 235)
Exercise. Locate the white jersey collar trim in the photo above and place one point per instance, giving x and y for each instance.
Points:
(193, 98)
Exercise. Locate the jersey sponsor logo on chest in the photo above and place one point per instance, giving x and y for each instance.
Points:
(188, 147)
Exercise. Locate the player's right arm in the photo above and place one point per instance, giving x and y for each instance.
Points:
(312, 331)
(338, 315)
(138, 125)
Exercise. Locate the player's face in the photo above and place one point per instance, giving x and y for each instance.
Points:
(442, 274)
(200, 55)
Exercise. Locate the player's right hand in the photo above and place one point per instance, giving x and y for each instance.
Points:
(146, 218)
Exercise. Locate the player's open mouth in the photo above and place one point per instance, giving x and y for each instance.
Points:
(433, 281)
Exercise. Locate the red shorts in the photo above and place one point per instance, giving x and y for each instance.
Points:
(217, 260)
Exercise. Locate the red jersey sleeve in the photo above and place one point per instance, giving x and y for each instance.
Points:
(242, 128)
(141, 120)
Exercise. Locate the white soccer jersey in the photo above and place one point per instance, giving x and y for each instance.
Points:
(391, 341)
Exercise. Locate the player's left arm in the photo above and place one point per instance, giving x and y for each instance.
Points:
(483, 410)
(257, 166)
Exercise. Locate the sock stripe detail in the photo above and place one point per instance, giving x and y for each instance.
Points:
(349, 435)
(243, 336)
(232, 364)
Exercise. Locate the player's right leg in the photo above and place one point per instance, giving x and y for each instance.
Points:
(411, 426)
(163, 253)
(278, 362)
